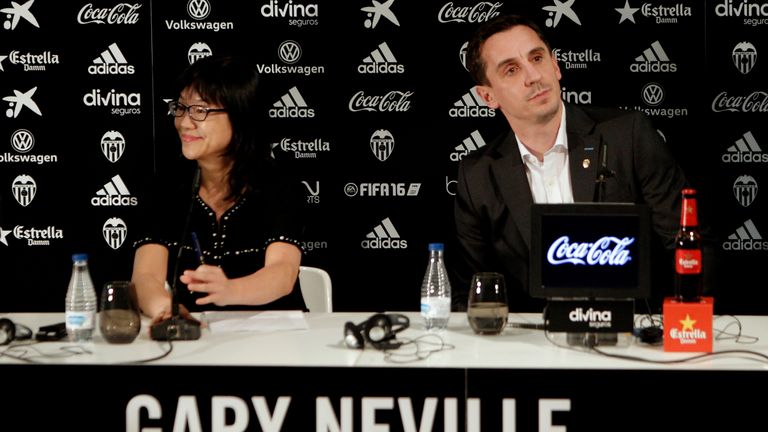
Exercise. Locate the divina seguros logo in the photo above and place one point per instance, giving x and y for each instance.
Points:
(594, 318)
(121, 103)
(298, 14)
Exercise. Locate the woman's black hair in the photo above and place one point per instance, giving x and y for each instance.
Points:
(232, 82)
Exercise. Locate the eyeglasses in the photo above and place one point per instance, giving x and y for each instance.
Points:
(196, 112)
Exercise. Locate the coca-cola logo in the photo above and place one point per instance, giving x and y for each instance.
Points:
(121, 13)
(607, 250)
(756, 101)
(393, 101)
(480, 12)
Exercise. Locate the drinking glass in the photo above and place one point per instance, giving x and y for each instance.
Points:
(487, 307)
(119, 319)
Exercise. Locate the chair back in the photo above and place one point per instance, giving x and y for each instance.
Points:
(316, 289)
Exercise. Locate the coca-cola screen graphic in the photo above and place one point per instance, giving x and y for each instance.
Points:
(594, 251)
(589, 251)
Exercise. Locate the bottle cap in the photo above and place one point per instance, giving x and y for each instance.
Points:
(689, 191)
(436, 246)
(79, 257)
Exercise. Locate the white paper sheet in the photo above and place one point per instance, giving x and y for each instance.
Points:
(255, 321)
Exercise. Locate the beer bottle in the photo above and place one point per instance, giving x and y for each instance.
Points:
(688, 277)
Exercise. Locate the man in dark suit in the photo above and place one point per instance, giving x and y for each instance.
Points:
(551, 154)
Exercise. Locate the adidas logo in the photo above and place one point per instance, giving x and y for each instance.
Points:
(471, 105)
(746, 238)
(111, 62)
(114, 193)
(473, 142)
(291, 105)
(384, 236)
(381, 60)
(653, 59)
(746, 149)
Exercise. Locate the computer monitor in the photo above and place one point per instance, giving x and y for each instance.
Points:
(590, 251)
(590, 261)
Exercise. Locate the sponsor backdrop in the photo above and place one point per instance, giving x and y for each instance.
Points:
(369, 102)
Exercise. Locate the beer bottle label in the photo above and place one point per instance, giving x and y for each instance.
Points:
(688, 261)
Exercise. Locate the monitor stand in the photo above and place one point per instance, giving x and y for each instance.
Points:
(590, 340)
(590, 322)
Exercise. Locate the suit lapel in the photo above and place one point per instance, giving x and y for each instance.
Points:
(583, 150)
(509, 171)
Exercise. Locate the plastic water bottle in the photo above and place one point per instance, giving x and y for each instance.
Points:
(436, 291)
(80, 304)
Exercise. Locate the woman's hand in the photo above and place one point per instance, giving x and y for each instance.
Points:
(165, 313)
(210, 280)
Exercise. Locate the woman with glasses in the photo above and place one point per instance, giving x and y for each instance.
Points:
(227, 235)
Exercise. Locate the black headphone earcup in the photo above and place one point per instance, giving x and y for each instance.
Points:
(377, 329)
(7, 331)
(353, 338)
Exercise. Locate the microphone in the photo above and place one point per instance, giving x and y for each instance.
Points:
(177, 327)
(603, 173)
(529, 326)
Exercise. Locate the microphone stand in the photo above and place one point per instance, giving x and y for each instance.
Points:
(177, 327)
(592, 339)
(603, 173)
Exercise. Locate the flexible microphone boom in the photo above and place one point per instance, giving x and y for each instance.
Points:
(177, 327)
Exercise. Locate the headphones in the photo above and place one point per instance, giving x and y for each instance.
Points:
(379, 330)
(10, 331)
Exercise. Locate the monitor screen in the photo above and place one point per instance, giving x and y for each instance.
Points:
(590, 251)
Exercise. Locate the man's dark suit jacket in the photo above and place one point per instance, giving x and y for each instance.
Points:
(493, 198)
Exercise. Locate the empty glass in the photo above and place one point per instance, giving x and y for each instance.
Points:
(487, 307)
(119, 319)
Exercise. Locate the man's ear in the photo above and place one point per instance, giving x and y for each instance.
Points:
(486, 94)
(557, 68)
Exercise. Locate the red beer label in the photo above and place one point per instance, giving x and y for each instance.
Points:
(688, 217)
(688, 261)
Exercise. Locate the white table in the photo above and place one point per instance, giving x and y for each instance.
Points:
(514, 348)
(481, 381)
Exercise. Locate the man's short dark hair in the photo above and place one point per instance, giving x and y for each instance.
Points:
(499, 24)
